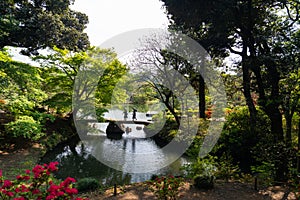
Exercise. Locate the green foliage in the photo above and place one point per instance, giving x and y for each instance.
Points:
(20, 105)
(87, 184)
(193, 150)
(226, 169)
(100, 112)
(62, 67)
(25, 127)
(204, 182)
(266, 40)
(237, 140)
(202, 171)
(42, 117)
(20, 86)
(264, 172)
(39, 24)
(201, 166)
(51, 140)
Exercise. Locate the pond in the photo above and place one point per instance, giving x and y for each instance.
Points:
(77, 158)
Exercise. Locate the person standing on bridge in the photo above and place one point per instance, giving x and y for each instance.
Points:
(134, 114)
(125, 114)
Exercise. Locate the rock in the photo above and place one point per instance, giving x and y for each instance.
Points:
(114, 131)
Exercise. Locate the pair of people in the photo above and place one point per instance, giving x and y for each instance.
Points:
(133, 114)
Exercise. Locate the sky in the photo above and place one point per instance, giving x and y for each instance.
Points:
(108, 18)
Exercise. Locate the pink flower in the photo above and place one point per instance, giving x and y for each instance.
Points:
(27, 171)
(0, 173)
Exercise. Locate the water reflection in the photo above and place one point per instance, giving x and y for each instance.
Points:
(77, 159)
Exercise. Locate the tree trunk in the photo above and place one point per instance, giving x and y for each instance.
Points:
(298, 157)
(247, 94)
(288, 138)
(201, 98)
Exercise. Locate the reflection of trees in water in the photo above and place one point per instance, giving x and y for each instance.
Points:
(75, 161)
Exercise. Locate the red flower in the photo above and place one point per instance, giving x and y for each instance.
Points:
(35, 191)
(50, 197)
(37, 170)
(26, 178)
(53, 188)
(71, 191)
(24, 188)
(10, 194)
(52, 166)
(7, 184)
(19, 198)
(60, 193)
(27, 171)
(67, 182)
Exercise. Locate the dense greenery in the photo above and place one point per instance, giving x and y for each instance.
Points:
(262, 124)
(33, 97)
(265, 36)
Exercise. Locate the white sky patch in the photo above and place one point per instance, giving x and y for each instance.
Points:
(108, 18)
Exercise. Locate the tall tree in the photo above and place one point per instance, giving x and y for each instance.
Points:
(37, 24)
(250, 29)
(62, 67)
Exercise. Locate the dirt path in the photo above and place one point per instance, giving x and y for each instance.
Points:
(15, 162)
(222, 191)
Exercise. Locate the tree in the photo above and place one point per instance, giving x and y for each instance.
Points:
(251, 29)
(156, 66)
(38, 24)
(62, 67)
(20, 85)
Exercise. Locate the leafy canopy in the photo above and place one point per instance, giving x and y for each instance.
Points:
(37, 24)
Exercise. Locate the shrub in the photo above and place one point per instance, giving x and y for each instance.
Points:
(26, 127)
(202, 171)
(204, 182)
(87, 184)
(239, 142)
(226, 169)
(202, 166)
(38, 183)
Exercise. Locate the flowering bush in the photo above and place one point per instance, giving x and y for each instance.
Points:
(166, 187)
(37, 183)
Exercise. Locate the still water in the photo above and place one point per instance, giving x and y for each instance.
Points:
(134, 152)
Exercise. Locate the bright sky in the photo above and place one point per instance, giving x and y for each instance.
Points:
(108, 18)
